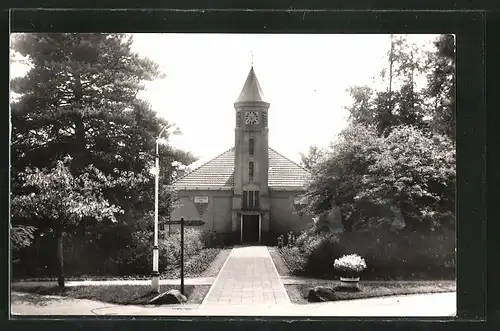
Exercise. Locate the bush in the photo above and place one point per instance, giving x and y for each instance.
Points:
(392, 255)
(291, 239)
(388, 254)
(170, 246)
(213, 239)
(281, 241)
(321, 251)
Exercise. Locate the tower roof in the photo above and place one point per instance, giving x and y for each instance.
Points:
(251, 92)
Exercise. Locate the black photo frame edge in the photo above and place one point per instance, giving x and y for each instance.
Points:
(470, 30)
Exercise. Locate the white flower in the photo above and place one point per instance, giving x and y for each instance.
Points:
(352, 262)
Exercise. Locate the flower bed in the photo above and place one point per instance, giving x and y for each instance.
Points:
(195, 266)
(294, 259)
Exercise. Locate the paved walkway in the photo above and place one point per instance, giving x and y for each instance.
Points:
(248, 277)
(419, 305)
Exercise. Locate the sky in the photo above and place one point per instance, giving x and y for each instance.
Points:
(304, 77)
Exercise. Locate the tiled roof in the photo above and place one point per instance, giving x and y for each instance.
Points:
(251, 91)
(284, 173)
(219, 173)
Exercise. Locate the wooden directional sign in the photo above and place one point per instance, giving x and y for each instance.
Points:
(187, 222)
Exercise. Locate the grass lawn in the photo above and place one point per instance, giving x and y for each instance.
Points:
(116, 294)
(370, 289)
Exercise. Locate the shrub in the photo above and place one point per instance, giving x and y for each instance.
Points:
(281, 241)
(321, 253)
(403, 254)
(291, 239)
(170, 246)
(213, 239)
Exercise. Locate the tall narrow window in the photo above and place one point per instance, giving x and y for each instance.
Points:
(251, 200)
(250, 170)
(244, 200)
(251, 146)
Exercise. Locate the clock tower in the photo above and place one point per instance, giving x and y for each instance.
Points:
(251, 152)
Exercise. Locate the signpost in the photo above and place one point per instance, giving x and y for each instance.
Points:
(186, 222)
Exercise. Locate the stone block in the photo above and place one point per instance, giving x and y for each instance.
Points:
(322, 294)
(169, 297)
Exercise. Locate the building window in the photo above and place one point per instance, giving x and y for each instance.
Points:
(250, 200)
(251, 146)
(244, 201)
(250, 170)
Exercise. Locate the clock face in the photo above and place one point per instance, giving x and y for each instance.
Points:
(251, 117)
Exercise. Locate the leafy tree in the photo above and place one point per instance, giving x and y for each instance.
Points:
(417, 172)
(79, 98)
(440, 89)
(336, 178)
(367, 175)
(314, 155)
(21, 236)
(59, 201)
(400, 103)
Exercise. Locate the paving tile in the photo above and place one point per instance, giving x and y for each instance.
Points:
(248, 277)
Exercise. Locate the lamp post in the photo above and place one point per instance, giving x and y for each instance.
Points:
(155, 277)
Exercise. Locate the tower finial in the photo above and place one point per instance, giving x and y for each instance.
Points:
(251, 55)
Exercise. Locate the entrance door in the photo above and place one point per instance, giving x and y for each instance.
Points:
(250, 229)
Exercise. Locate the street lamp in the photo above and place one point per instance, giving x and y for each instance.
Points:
(155, 278)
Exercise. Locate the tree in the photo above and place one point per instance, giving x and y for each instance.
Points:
(79, 87)
(417, 172)
(59, 201)
(21, 236)
(79, 98)
(336, 178)
(367, 175)
(314, 155)
(400, 103)
(440, 90)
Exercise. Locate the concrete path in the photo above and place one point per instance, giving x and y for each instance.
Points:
(248, 277)
(177, 281)
(417, 305)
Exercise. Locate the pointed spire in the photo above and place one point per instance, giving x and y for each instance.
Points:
(251, 92)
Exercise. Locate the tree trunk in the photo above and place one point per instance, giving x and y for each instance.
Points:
(60, 257)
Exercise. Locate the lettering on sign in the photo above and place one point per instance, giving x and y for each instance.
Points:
(201, 199)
